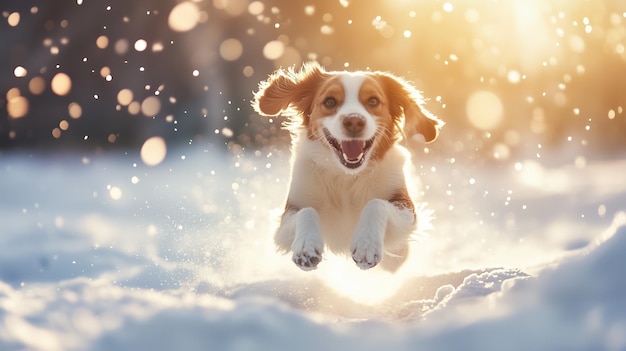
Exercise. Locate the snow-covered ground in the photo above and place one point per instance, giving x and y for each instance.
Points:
(105, 253)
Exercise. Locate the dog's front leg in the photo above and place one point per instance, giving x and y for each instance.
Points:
(300, 231)
(368, 241)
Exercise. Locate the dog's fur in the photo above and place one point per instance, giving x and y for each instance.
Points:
(348, 189)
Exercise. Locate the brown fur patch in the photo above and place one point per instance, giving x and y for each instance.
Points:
(406, 101)
(289, 92)
(402, 200)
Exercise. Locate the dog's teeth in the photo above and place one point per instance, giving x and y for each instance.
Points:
(358, 159)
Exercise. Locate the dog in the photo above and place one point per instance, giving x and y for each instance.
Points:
(348, 190)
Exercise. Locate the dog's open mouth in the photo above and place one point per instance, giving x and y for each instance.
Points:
(351, 152)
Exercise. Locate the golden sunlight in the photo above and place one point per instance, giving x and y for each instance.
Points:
(535, 39)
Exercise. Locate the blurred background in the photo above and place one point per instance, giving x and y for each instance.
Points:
(510, 78)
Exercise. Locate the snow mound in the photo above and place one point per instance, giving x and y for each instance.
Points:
(576, 305)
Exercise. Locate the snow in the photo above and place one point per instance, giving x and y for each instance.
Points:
(104, 252)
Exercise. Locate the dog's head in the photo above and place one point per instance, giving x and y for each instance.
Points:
(357, 115)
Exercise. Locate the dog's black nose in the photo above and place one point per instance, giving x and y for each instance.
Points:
(354, 124)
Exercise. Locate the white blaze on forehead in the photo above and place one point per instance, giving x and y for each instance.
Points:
(352, 84)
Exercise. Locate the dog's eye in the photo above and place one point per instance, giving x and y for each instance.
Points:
(373, 101)
(330, 102)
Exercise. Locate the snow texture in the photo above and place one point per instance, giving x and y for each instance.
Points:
(103, 253)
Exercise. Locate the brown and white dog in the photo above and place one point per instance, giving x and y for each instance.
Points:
(348, 188)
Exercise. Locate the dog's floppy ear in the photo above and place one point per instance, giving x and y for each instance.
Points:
(405, 100)
(289, 92)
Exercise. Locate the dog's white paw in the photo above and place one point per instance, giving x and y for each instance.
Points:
(308, 255)
(307, 261)
(367, 251)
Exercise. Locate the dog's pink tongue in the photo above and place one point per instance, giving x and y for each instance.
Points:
(352, 149)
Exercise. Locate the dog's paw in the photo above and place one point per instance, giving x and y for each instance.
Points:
(307, 253)
(367, 253)
(307, 260)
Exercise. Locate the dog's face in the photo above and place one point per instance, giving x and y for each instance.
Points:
(348, 114)
(358, 116)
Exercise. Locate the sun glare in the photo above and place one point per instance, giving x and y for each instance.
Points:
(369, 287)
(535, 37)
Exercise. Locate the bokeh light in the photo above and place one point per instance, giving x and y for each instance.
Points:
(102, 42)
(37, 85)
(134, 107)
(121, 46)
(514, 76)
(105, 72)
(61, 84)
(153, 151)
(256, 8)
(74, 110)
(231, 49)
(151, 106)
(157, 47)
(20, 72)
(248, 71)
(13, 19)
(273, 49)
(12, 93)
(183, 17)
(484, 110)
(115, 192)
(64, 125)
(141, 45)
(17, 107)
(290, 56)
(125, 97)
